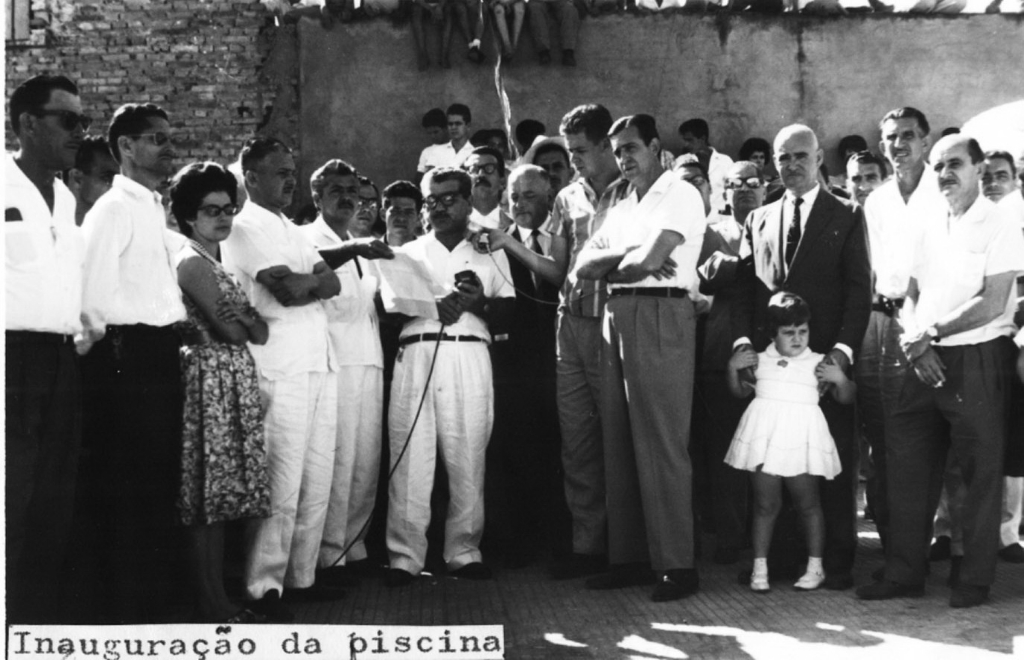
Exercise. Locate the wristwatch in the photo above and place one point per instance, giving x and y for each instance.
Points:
(933, 332)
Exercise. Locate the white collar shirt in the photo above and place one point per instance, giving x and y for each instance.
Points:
(45, 253)
(788, 207)
(953, 258)
(130, 276)
(448, 156)
(492, 269)
(894, 228)
(576, 216)
(352, 314)
(435, 155)
(670, 204)
(525, 235)
(490, 220)
(299, 341)
(1014, 205)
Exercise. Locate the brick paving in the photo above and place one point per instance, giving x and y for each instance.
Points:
(545, 619)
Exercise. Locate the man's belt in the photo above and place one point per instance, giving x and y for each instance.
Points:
(433, 336)
(887, 306)
(33, 337)
(652, 291)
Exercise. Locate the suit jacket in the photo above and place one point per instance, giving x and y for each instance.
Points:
(831, 271)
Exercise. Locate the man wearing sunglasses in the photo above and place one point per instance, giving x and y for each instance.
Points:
(445, 362)
(43, 274)
(132, 380)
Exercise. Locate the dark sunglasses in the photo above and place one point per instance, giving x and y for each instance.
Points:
(214, 211)
(69, 120)
(486, 168)
(447, 200)
(735, 184)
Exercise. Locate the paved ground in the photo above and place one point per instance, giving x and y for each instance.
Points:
(561, 620)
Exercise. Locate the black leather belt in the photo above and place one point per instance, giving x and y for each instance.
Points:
(653, 291)
(433, 336)
(887, 306)
(33, 337)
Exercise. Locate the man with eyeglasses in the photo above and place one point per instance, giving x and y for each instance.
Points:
(647, 250)
(133, 398)
(813, 244)
(43, 272)
(444, 362)
(486, 167)
(353, 326)
(724, 495)
(287, 281)
(367, 217)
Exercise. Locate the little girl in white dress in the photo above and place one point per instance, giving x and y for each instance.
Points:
(783, 436)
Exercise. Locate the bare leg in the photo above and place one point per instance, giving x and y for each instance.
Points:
(501, 26)
(804, 489)
(767, 504)
(518, 14)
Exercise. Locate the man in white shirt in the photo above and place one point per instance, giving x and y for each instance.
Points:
(435, 124)
(647, 249)
(864, 173)
(695, 135)
(92, 175)
(43, 283)
(958, 320)
(354, 330)
(286, 280)
(454, 152)
(1000, 183)
(130, 304)
(895, 214)
(445, 365)
(486, 167)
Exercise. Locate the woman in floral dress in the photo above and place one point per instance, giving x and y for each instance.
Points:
(223, 461)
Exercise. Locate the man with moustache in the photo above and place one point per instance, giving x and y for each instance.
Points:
(286, 280)
(354, 330)
(718, 413)
(43, 283)
(957, 319)
(895, 213)
(92, 175)
(812, 244)
(647, 249)
(864, 172)
(576, 216)
(367, 219)
(525, 445)
(486, 167)
(445, 363)
(131, 302)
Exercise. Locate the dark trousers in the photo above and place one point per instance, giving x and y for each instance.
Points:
(133, 415)
(968, 415)
(44, 422)
(839, 495)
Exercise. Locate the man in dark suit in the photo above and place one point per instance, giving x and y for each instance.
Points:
(814, 245)
(524, 467)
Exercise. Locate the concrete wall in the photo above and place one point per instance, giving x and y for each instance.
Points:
(362, 97)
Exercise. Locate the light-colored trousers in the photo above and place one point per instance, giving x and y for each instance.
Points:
(455, 422)
(356, 463)
(282, 549)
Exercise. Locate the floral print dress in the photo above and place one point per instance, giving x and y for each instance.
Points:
(223, 458)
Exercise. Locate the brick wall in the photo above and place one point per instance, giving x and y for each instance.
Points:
(219, 68)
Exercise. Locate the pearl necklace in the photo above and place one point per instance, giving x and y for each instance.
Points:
(201, 250)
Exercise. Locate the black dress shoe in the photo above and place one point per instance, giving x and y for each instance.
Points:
(271, 607)
(941, 549)
(472, 571)
(621, 576)
(675, 584)
(838, 581)
(396, 577)
(318, 593)
(336, 576)
(887, 589)
(578, 565)
(968, 595)
(878, 574)
(1013, 553)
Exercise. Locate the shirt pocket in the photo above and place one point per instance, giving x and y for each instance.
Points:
(968, 275)
(24, 244)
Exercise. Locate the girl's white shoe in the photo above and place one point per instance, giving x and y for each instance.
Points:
(759, 583)
(810, 581)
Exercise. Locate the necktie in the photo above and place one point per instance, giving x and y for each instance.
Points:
(535, 247)
(793, 235)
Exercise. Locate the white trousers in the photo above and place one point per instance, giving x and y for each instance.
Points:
(356, 463)
(455, 422)
(1013, 494)
(282, 549)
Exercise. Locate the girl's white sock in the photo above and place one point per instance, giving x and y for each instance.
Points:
(761, 565)
(813, 565)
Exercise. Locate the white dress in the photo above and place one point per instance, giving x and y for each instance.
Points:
(783, 430)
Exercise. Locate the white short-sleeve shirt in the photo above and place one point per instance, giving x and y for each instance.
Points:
(299, 340)
(492, 269)
(954, 257)
(670, 204)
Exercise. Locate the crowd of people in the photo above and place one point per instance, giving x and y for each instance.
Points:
(507, 18)
(579, 372)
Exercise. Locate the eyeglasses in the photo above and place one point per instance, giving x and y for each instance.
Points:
(69, 120)
(447, 200)
(158, 139)
(486, 168)
(751, 182)
(214, 211)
